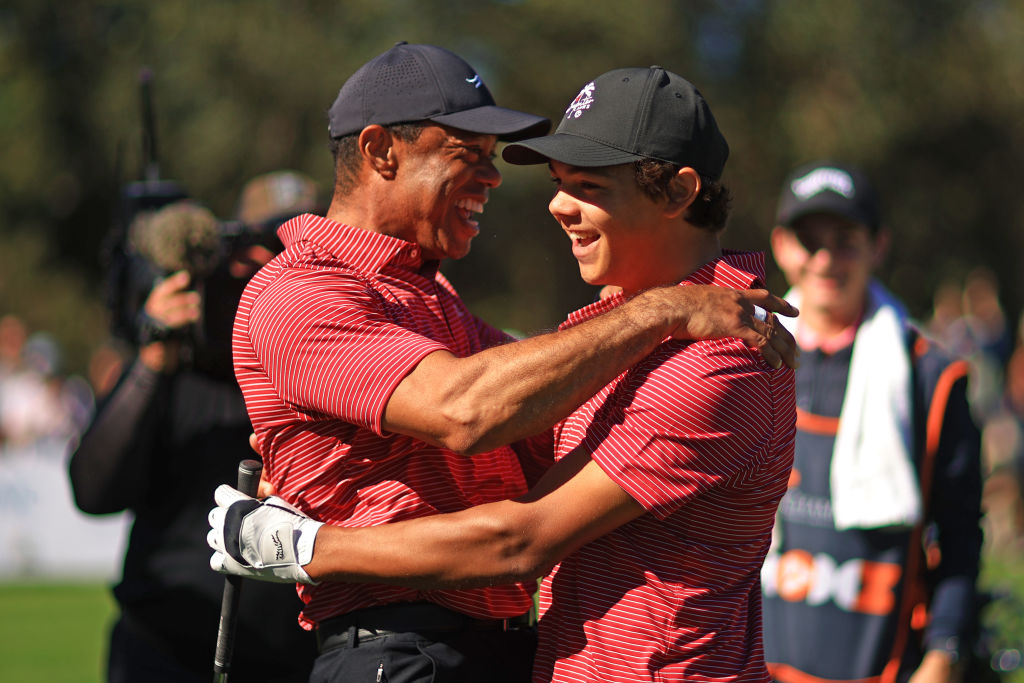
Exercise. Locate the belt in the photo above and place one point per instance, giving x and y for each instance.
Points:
(404, 617)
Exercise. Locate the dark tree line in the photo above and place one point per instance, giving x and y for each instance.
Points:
(925, 95)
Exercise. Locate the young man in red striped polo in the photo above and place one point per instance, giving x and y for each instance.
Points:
(653, 524)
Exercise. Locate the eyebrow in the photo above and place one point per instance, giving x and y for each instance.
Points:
(474, 142)
(470, 137)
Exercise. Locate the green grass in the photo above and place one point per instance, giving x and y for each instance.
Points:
(54, 633)
(1005, 575)
(57, 633)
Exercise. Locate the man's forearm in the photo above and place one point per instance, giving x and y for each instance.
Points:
(273, 541)
(476, 547)
(501, 542)
(509, 392)
(495, 543)
(519, 389)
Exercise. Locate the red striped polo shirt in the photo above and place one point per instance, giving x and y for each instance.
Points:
(700, 434)
(323, 335)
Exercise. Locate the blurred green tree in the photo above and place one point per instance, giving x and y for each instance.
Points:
(926, 96)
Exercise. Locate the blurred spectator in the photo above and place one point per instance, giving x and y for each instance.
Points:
(13, 334)
(1003, 450)
(984, 315)
(39, 412)
(172, 429)
(270, 199)
(970, 323)
(886, 455)
(946, 323)
(988, 341)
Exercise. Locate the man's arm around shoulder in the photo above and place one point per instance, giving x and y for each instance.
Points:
(503, 394)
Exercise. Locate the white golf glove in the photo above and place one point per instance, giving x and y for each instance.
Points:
(269, 540)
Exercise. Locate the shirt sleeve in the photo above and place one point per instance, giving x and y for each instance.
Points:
(956, 514)
(333, 347)
(110, 469)
(684, 421)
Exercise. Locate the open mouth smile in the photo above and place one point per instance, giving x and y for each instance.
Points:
(582, 239)
(467, 208)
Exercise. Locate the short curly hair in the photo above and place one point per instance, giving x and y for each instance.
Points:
(345, 151)
(710, 210)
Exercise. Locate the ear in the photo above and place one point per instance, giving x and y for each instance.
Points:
(377, 147)
(682, 191)
(787, 250)
(779, 238)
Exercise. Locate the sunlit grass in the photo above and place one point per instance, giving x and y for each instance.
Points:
(54, 633)
(57, 633)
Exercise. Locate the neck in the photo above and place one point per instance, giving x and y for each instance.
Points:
(366, 206)
(709, 250)
(827, 323)
(352, 212)
(683, 255)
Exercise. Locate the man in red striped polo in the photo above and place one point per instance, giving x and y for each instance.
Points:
(653, 524)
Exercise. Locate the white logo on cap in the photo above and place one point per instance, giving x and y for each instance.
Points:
(476, 82)
(821, 179)
(582, 101)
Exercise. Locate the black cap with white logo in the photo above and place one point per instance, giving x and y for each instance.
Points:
(826, 187)
(424, 82)
(631, 114)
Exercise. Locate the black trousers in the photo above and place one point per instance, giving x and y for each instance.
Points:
(133, 658)
(136, 654)
(471, 656)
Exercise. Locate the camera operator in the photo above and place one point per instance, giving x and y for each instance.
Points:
(173, 428)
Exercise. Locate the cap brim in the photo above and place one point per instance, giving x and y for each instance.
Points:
(568, 149)
(507, 124)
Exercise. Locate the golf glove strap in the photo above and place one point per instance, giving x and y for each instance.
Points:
(268, 540)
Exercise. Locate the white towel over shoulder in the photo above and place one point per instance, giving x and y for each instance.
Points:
(872, 477)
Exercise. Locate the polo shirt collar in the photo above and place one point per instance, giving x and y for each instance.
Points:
(734, 269)
(364, 250)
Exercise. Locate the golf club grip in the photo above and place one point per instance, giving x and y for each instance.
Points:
(248, 483)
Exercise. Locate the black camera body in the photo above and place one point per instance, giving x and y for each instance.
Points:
(130, 277)
(158, 232)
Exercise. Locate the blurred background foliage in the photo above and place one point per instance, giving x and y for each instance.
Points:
(926, 95)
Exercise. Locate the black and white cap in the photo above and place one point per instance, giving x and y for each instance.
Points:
(631, 114)
(425, 82)
(827, 187)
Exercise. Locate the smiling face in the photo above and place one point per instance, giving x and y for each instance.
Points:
(831, 259)
(620, 235)
(444, 178)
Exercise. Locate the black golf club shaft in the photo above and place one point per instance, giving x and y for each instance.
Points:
(248, 483)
